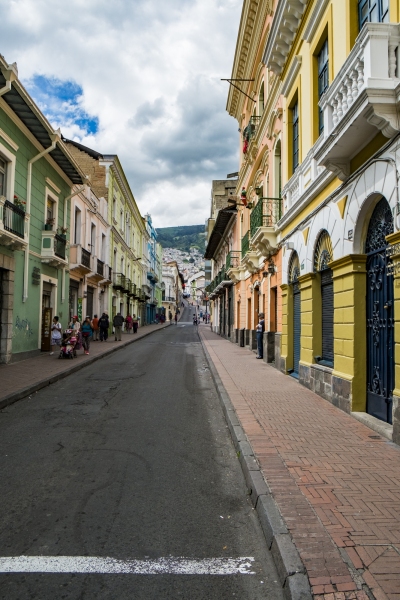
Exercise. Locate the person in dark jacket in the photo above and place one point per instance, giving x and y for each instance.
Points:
(104, 324)
(118, 321)
(260, 334)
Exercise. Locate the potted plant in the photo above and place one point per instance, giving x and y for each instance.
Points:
(62, 231)
(49, 224)
(18, 202)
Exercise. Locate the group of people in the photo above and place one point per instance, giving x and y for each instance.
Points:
(91, 329)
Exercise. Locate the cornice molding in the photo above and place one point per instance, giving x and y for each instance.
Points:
(291, 75)
(284, 29)
(315, 20)
(9, 141)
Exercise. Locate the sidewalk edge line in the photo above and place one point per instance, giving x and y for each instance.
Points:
(291, 570)
(27, 391)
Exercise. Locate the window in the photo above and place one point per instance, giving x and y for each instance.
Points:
(373, 11)
(323, 80)
(114, 208)
(261, 100)
(322, 257)
(3, 171)
(121, 219)
(103, 247)
(77, 231)
(295, 136)
(50, 212)
(93, 239)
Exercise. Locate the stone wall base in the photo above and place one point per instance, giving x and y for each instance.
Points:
(24, 355)
(247, 337)
(252, 339)
(321, 380)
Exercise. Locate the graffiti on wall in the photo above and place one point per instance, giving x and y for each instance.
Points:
(24, 325)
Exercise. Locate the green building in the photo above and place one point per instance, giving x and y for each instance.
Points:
(37, 174)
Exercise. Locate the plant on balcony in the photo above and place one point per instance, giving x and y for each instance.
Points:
(18, 202)
(62, 231)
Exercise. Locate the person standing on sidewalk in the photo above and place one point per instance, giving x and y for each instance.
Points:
(128, 322)
(87, 333)
(260, 334)
(135, 324)
(170, 317)
(55, 334)
(95, 327)
(176, 318)
(75, 325)
(104, 324)
(118, 321)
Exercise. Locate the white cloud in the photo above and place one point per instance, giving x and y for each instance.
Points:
(150, 72)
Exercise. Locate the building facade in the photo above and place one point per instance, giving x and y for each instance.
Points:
(37, 177)
(316, 234)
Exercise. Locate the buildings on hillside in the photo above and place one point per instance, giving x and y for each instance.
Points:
(313, 241)
(72, 239)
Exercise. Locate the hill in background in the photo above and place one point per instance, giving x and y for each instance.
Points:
(182, 238)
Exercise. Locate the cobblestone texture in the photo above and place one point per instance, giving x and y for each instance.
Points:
(336, 482)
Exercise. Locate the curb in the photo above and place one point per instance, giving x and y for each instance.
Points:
(291, 571)
(27, 391)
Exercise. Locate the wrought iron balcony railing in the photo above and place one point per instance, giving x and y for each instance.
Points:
(60, 245)
(266, 213)
(14, 219)
(86, 258)
(245, 244)
(232, 260)
(251, 128)
(100, 267)
(119, 281)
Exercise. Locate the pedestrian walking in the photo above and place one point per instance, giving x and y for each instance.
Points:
(104, 325)
(170, 316)
(118, 321)
(95, 327)
(260, 334)
(135, 324)
(128, 322)
(87, 333)
(56, 331)
(176, 318)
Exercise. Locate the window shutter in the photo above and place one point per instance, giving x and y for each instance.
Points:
(327, 315)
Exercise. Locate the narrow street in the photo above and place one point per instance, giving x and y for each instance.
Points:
(129, 459)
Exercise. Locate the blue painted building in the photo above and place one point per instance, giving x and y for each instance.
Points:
(152, 271)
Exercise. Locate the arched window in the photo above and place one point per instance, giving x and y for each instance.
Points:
(277, 170)
(261, 100)
(294, 273)
(323, 255)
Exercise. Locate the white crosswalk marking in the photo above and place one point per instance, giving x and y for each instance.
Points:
(96, 564)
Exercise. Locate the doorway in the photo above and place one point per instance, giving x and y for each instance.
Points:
(89, 302)
(47, 317)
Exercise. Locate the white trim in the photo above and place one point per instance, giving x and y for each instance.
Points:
(291, 76)
(10, 174)
(314, 20)
(9, 141)
(53, 185)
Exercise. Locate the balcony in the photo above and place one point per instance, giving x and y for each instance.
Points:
(363, 99)
(250, 258)
(54, 249)
(127, 286)
(151, 275)
(132, 290)
(12, 225)
(263, 219)
(80, 259)
(119, 282)
(233, 266)
(100, 268)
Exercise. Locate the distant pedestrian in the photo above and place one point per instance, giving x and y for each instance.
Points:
(56, 334)
(87, 333)
(118, 321)
(135, 324)
(104, 325)
(95, 327)
(170, 316)
(128, 322)
(260, 334)
(176, 318)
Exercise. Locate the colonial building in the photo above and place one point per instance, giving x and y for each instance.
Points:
(319, 129)
(172, 287)
(37, 175)
(121, 288)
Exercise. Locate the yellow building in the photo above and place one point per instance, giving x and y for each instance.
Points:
(337, 65)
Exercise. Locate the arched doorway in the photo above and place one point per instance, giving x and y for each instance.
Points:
(322, 257)
(380, 315)
(294, 273)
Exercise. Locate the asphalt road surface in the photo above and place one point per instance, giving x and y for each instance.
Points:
(121, 482)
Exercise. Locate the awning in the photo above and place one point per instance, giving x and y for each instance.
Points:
(224, 218)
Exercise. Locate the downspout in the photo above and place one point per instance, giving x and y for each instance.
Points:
(78, 191)
(55, 137)
(10, 74)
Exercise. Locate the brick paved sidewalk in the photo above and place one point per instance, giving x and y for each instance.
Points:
(336, 482)
(17, 377)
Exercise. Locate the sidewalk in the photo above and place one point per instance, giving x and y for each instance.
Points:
(335, 481)
(21, 379)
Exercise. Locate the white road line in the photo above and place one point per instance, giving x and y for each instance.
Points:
(96, 564)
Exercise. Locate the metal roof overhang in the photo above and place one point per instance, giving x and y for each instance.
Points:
(221, 224)
(28, 116)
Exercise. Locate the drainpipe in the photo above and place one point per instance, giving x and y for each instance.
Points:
(11, 74)
(78, 191)
(55, 137)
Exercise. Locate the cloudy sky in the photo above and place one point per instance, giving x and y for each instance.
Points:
(138, 78)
